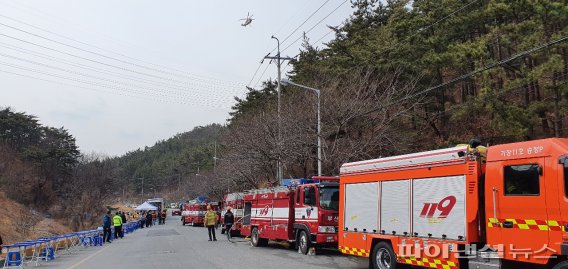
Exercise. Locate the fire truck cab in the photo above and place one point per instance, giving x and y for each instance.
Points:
(464, 207)
(303, 213)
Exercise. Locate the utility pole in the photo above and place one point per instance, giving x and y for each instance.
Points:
(279, 61)
(215, 158)
(142, 185)
(179, 181)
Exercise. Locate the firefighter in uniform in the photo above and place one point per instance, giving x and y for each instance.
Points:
(210, 221)
(117, 223)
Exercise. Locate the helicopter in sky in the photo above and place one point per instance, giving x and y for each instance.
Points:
(247, 21)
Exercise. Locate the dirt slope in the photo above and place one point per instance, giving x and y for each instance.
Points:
(18, 223)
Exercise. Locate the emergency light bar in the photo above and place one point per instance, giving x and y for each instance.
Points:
(291, 182)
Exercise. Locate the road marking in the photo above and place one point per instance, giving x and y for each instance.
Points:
(85, 259)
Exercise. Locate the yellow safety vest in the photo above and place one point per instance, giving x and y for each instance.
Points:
(117, 220)
(210, 218)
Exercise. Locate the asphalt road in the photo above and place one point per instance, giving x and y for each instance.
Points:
(175, 246)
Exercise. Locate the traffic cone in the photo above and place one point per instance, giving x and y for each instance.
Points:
(312, 251)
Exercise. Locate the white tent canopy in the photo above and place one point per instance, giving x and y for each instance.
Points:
(145, 206)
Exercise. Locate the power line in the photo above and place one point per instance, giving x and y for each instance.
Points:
(470, 74)
(324, 36)
(286, 66)
(202, 78)
(454, 107)
(83, 66)
(319, 22)
(261, 75)
(98, 70)
(287, 37)
(94, 61)
(398, 43)
(255, 72)
(302, 24)
(112, 87)
(82, 87)
(172, 92)
(93, 52)
(429, 26)
(136, 91)
(296, 14)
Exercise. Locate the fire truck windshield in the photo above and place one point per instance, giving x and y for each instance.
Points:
(329, 198)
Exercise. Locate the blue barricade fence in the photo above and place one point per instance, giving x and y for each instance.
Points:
(48, 248)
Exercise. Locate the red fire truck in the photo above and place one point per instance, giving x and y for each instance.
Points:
(304, 214)
(236, 201)
(194, 212)
(505, 206)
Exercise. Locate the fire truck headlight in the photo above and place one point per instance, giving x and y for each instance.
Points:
(326, 229)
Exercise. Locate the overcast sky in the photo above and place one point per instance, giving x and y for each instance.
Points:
(121, 75)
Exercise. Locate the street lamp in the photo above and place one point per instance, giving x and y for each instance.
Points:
(317, 91)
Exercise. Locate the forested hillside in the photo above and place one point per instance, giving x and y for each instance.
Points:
(42, 168)
(403, 76)
(176, 168)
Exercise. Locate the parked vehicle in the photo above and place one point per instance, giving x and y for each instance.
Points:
(177, 210)
(236, 201)
(194, 211)
(463, 207)
(302, 212)
(157, 202)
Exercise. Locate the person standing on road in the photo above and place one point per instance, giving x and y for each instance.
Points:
(210, 221)
(148, 219)
(228, 220)
(159, 217)
(164, 213)
(106, 227)
(124, 220)
(117, 222)
(123, 216)
(154, 217)
(142, 219)
(218, 219)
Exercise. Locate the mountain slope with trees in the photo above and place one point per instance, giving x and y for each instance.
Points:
(402, 76)
(42, 169)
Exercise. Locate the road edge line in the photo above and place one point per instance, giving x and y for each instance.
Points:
(87, 258)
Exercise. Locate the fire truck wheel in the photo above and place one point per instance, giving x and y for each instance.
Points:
(254, 239)
(562, 265)
(183, 223)
(383, 256)
(304, 242)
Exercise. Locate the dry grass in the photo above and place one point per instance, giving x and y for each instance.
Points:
(17, 223)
